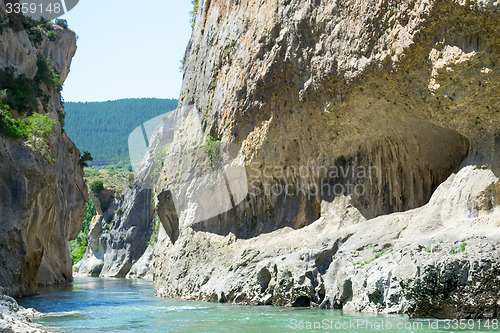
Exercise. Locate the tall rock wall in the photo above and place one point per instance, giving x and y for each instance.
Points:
(406, 88)
(42, 196)
(119, 237)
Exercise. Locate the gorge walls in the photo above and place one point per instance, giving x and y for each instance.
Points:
(43, 195)
(340, 154)
(396, 86)
(408, 89)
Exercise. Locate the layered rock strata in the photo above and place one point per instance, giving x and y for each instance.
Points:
(43, 194)
(407, 89)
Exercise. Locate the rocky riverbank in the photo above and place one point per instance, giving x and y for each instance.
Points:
(423, 262)
(16, 319)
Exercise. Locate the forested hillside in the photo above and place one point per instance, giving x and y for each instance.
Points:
(103, 128)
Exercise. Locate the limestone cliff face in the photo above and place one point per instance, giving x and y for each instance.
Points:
(41, 200)
(121, 238)
(118, 237)
(408, 88)
(422, 262)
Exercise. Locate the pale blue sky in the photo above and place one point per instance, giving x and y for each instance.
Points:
(127, 49)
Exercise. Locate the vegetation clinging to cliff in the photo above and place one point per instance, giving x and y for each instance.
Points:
(22, 93)
(62, 23)
(10, 126)
(78, 246)
(212, 147)
(36, 129)
(39, 130)
(38, 29)
(84, 158)
(47, 73)
(194, 12)
(156, 229)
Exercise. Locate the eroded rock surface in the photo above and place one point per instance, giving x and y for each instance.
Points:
(422, 262)
(15, 318)
(294, 84)
(409, 88)
(42, 198)
(118, 238)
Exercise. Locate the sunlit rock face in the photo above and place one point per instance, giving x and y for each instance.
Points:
(340, 85)
(422, 262)
(42, 200)
(390, 98)
(119, 237)
(406, 91)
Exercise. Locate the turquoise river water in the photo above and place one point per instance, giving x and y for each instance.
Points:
(120, 305)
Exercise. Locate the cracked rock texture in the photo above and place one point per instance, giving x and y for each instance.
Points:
(423, 262)
(15, 318)
(41, 202)
(118, 238)
(410, 88)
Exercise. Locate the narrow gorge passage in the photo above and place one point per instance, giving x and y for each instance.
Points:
(267, 166)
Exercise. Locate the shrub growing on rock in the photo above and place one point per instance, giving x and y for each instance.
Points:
(97, 186)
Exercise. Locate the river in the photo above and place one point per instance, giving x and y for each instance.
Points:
(121, 305)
